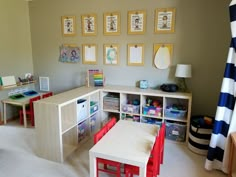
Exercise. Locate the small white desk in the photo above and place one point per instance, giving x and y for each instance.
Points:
(18, 102)
(127, 142)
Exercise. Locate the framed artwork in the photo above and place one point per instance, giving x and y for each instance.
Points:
(111, 24)
(135, 54)
(136, 22)
(68, 25)
(89, 54)
(44, 83)
(69, 53)
(111, 54)
(162, 55)
(165, 20)
(89, 24)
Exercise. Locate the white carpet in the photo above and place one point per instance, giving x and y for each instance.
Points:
(18, 159)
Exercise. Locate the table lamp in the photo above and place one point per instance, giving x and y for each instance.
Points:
(183, 71)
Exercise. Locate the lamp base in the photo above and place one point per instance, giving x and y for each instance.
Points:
(182, 85)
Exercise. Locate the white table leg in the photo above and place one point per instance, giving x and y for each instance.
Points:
(142, 171)
(24, 115)
(92, 165)
(5, 113)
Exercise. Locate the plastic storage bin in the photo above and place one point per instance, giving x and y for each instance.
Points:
(151, 120)
(93, 107)
(94, 123)
(174, 113)
(175, 131)
(129, 108)
(130, 117)
(152, 110)
(111, 102)
(83, 131)
(82, 112)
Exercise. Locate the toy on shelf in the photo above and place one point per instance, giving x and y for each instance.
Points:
(95, 77)
(153, 107)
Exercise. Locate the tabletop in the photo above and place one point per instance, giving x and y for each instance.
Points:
(127, 142)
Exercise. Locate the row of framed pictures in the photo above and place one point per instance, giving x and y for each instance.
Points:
(111, 53)
(164, 23)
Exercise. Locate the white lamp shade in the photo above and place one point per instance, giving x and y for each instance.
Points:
(183, 70)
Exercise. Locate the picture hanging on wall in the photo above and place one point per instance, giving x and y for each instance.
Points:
(136, 22)
(135, 54)
(162, 54)
(89, 54)
(89, 24)
(69, 53)
(111, 24)
(111, 54)
(165, 20)
(68, 25)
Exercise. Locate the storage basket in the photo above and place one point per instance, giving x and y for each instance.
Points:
(199, 135)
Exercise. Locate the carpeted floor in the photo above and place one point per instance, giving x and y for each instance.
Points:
(18, 159)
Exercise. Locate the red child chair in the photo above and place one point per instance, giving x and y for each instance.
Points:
(97, 137)
(45, 95)
(30, 111)
(111, 123)
(153, 166)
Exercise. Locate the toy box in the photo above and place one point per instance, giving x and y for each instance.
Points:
(175, 131)
(152, 110)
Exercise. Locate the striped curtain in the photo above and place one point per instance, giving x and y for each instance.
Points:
(225, 119)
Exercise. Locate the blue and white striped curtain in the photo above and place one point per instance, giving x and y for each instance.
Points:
(225, 119)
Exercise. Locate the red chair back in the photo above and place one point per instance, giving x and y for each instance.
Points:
(111, 123)
(155, 166)
(47, 94)
(162, 141)
(31, 104)
(97, 136)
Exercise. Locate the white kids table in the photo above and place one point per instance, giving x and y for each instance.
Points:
(127, 142)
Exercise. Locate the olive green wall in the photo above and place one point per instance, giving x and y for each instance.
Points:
(201, 38)
(15, 41)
